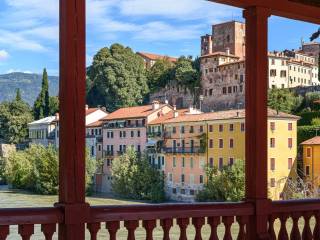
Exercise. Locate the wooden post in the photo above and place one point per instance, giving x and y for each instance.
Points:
(256, 119)
(72, 120)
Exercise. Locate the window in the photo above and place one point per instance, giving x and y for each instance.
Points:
(210, 128)
(220, 143)
(182, 178)
(283, 73)
(183, 162)
(289, 142)
(220, 163)
(138, 133)
(308, 152)
(224, 90)
(191, 129)
(289, 163)
(174, 190)
(231, 127)
(174, 163)
(231, 143)
(220, 128)
(307, 170)
(170, 177)
(289, 126)
(132, 134)
(138, 148)
(242, 127)
(201, 129)
(272, 126)
(211, 162)
(182, 129)
(231, 161)
(272, 182)
(99, 147)
(272, 142)
(191, 192)
(210, 92)
(272, 164)
(201, 179)
(191, 162)
(211, 143)
(273, 73)
(174, 130)
(229, 89)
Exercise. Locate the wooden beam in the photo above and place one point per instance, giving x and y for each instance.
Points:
(256, 139)
(294, 9)
(72, 120)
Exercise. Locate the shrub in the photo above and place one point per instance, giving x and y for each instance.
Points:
(135, 178)
(227, 184)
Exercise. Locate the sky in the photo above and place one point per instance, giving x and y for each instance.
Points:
(29, 29)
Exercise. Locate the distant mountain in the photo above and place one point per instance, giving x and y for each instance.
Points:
(29, 84)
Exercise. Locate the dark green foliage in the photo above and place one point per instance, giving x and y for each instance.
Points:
(18, 95)
(306, 117)
(134, 178)
(187, 73)
(160, 74)
(307, 132)
(283, 100)
(53, 105)
(227, 184)
(14, 119)
(41, 106)
(116, 78)
(36, 169)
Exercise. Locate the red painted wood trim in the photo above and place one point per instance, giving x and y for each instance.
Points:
(72, 119)
(9, 216)
(256, 139)
(283, 8)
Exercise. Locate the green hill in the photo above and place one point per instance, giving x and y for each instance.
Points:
(29, 84)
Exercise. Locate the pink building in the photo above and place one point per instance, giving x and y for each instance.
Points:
(124, 128)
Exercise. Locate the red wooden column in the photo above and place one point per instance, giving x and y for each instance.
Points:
(72, 120)
(256, 118)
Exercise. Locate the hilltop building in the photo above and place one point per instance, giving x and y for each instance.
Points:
(151, 58)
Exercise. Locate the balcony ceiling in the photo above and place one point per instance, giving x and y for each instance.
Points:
(304, 10)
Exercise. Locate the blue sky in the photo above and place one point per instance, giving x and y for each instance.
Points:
(29, 29)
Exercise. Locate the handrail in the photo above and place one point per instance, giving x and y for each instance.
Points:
(299, 205)
(18, 216)
(164, 211)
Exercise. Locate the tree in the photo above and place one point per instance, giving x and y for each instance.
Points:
(53, 105)
(283, 100)
(36, 169)
(227, 184)
(313, 37)
(117, 78)
(135, 178)
(160, 74)
(14, 119)
(18, 95)
(41, 106)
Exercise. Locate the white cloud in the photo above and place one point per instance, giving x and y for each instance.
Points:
(179, 9)
(161, 31)
(12, 70)
(3, 55)
(17, 41)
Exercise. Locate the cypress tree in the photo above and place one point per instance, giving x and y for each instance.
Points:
(42, 104)
(18, 95)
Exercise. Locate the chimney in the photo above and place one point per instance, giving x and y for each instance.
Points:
(104, 109)
(175, 114)
(155, 105)
(210, 44)
(228, 51)
(190, 109)
(174, 107)
(166, 101)
(87, 107)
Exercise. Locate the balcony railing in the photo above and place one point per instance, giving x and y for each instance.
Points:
(195, 150)
(115, 126)
(108, 153)
(154, 134)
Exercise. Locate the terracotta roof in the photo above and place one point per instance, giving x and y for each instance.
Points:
(230, 114)
(88, 112)
(98, 123)
(219, 54)
(312, 141)
(168, 116)
(131, 112)
(231, 63)
(155, 57)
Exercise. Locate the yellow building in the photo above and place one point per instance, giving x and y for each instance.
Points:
(311, 160)
(223, 134)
